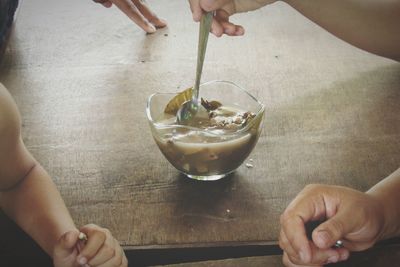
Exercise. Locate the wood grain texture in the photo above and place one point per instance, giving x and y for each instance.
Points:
(264, 261)
(81, 74)
(375, 257)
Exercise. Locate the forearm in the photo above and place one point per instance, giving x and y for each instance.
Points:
(372, 25)
(388, 193)
(37, 207)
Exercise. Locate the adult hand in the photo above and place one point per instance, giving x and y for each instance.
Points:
(101, 249)
(138, 11)
(223, 10)
(351, 216)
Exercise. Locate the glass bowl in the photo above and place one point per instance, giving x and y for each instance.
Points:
(206, 155)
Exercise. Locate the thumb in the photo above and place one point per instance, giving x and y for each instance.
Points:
(66, 244)
(332, 230)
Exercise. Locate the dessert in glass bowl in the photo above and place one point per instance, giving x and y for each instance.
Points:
(217, 140)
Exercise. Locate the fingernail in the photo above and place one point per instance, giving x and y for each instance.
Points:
(152, 29)
(345, 255)
(196, 17)
(333, 259)
(239, 32)
(82, 260)
(163, 22)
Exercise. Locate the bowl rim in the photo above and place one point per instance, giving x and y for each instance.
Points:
(259, 113)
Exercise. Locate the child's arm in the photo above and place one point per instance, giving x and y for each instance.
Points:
(36, 206)
(30, 198)
(28, 195)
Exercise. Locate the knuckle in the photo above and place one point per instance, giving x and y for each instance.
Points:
(102, 233)
(219, 33)
(89, 228)
(285, 217)
(293, 259)
(106, 231)
(91, 225)
(109, 251)
(364, 214)
(312, 187)
(206, 5)
(124, 262)
(363, 246)
(335, 228)
(286, 261)
(282, 244)
(118, 260)
(88, 254)
(282, 218)
(99, 234)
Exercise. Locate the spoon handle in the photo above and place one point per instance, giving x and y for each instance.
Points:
(205, 26)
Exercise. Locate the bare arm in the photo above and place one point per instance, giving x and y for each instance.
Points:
(31, 199)
(36, 206)
(372, 25)
(388, 193)
(27, 193)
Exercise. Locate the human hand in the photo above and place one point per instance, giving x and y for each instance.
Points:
(101, 249)
(351, 216)
(223, 10)
(139, 12)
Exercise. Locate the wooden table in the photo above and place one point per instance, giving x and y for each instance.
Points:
(81, 75)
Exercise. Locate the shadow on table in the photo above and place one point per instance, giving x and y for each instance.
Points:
(17, 249)
(221, 203)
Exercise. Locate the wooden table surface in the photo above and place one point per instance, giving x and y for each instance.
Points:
(376, 257)
(81, 75)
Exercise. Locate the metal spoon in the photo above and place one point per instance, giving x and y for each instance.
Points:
(189, 109)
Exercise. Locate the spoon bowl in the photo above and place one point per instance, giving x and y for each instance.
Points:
(187, 111)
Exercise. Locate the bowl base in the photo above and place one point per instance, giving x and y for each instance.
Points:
(206, 178)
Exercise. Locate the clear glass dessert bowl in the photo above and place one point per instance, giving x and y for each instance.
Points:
(218, 143)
